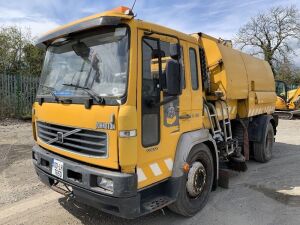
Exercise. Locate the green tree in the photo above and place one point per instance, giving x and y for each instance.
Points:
(270, 34)
(33, 59)
(288, 72)
(18, 55)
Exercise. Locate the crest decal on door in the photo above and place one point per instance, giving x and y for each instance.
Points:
(171, 113)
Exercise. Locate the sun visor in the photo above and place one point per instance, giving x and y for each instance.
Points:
(100, 21)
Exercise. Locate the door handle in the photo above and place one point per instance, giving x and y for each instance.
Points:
(185, 116)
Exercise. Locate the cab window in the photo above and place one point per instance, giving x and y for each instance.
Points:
(194, 69)
(150, 92)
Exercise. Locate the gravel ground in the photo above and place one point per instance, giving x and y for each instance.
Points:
(18, 180)
(265, 194)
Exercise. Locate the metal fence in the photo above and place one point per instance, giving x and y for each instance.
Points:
(17, 93)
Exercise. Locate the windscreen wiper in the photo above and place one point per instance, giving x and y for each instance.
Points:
(51, 89)
(89, 91)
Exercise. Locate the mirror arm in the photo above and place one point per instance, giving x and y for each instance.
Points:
(166, 100)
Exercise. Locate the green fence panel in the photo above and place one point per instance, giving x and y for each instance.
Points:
(17, 93)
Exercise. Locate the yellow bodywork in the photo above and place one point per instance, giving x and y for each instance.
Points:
(246, 82)
(293, 100)
(281, 104)
(78, 116)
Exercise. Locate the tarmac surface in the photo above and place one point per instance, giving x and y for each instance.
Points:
(267, 194)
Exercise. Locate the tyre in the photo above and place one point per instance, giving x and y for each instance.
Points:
(196, 184)
(262, 151)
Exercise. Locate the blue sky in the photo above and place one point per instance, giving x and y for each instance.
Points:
(220, 18)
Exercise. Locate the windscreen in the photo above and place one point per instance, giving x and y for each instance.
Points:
(97, 61)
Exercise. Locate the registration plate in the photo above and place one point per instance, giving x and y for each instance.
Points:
(58, 168)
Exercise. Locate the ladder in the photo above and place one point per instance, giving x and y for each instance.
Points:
(217, 131)
(226, 127)
(213, 119)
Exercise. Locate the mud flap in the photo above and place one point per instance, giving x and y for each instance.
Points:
(224, 177)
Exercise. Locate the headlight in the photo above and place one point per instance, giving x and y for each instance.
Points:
(105, 183)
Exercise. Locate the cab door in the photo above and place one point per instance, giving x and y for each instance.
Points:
(159, 126)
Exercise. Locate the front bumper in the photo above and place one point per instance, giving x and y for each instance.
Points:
(85, 186)
(125, 201)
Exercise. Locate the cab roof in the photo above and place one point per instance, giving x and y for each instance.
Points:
(107, 18)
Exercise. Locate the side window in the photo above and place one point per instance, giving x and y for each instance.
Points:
(194, 69)
(150, 93)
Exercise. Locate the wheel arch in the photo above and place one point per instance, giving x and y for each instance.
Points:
(186, 143)
(214, 152)
(256, 133)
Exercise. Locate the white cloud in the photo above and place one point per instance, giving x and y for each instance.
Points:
(35, 22)
(296, 58)
(220, 18)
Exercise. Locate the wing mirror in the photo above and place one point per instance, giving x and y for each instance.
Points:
(173, 72)
(173, 78)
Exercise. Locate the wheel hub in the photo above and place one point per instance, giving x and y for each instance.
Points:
(196, 179)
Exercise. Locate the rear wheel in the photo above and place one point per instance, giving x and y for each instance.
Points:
(197, 183)
(263, 150)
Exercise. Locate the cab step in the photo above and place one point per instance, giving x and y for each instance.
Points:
(156, 203)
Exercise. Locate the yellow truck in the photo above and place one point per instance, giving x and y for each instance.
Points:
(131, 116)
(288, 100)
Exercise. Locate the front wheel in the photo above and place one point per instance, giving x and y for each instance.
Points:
(197, 183)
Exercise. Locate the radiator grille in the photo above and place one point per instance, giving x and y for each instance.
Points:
(82, 141)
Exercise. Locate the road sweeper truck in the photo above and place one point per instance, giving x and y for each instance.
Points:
(131, 117)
